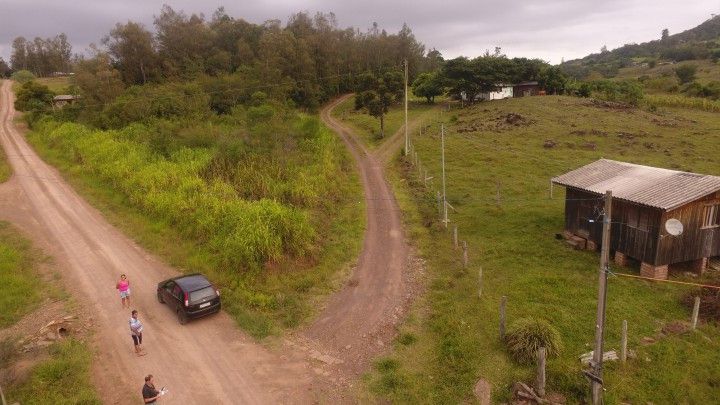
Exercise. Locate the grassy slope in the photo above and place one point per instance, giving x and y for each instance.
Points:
(707, 71)
(450, 340)
(300, 291)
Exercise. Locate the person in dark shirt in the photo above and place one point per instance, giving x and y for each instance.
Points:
(149, 393)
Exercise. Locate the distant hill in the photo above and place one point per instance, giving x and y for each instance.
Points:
(699, 43)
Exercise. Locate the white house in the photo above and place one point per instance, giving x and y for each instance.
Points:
(502, 91)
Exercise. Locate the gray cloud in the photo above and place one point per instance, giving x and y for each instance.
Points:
(550, 29)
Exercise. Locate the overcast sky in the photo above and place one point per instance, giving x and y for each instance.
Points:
(546, 29)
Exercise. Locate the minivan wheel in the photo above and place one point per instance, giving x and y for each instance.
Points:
(182, 318)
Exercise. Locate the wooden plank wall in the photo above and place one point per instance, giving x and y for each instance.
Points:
(638, 231)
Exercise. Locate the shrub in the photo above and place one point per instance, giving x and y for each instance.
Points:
(33, 97)
(686, 73)
(23, 76)
(526, 335)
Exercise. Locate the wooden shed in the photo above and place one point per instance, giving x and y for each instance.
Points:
(644, 199)
(524, 89)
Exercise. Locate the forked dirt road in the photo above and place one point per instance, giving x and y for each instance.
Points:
(361, 318)
(209, 361)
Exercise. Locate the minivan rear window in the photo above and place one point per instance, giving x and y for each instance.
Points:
(199, 295)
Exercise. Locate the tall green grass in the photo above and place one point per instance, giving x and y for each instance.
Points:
(498, 176)
(19, 282)
(269, 211)
(683, 102)
(62, 379)
(243, 233)
(5, 170)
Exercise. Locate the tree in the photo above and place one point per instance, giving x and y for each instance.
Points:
(98, 82)
(4, 68)
(460, 76)
(428, 85)
(19, 57)
(184, 43)
(553, 80)
(686, 73)
(433, 60)
(604, 49)
(665, 34)
(41, 56)
(376, 94)
(132, 49)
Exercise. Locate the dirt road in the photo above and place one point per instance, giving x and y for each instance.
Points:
(209, 361)
(360, 319)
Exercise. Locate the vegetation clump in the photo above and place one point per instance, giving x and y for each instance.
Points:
(526, 335)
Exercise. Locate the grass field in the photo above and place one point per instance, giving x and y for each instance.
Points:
(498, 176)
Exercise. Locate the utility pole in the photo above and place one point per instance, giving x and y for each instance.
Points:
(596, 378)
(444, 197)
(405, 62)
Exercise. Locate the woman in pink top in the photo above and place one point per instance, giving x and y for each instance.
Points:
(124, 287)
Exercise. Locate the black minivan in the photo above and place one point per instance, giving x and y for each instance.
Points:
(189, 296)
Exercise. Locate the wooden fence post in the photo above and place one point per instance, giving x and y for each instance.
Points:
(696, 312)
(440, 204)
(540, 383)
(503, 302)
(480, 283)
(623, 343)
(465, 255)
(455, 240)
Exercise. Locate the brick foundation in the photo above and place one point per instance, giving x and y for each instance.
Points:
(621, 259)
(700, 265)
(659, 272)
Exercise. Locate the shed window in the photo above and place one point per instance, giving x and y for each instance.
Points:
(711, 216)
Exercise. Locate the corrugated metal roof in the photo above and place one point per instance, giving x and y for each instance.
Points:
(652, 186)
(64, 97)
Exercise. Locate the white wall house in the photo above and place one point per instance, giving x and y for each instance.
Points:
(502, 91)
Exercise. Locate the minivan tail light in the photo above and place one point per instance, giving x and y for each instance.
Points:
(187, 302)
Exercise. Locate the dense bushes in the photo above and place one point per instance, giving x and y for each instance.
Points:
(630, 92)
(147, 103)
(34, 99)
